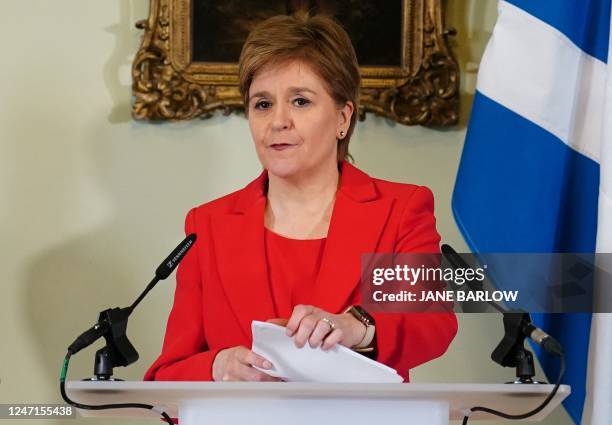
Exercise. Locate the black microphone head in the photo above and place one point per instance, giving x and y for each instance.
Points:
(453, 257)
(447, 249)
(169, 264)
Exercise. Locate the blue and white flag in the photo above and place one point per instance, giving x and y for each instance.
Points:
(536, 169)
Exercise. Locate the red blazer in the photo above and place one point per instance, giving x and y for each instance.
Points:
(222, 283)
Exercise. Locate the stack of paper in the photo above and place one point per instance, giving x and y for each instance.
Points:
(307, 364)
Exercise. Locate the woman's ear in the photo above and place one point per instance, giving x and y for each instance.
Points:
(345, 114)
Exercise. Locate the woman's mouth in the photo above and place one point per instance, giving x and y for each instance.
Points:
(281, 146)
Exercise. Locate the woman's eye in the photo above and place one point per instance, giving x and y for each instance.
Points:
(262, 104)
(300, 101)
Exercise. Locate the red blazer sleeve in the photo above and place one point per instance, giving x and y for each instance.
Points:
(185, 355)
(410, 339)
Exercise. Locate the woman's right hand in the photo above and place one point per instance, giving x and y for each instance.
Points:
(236, 364)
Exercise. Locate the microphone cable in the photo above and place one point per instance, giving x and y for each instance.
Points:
(527, 414)
(165, 416)
(98, 330)
(548, 343)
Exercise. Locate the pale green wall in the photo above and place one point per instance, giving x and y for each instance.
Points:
(91, 201)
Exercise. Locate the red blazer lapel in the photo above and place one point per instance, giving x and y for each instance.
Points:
(358, 219)
(238, 239)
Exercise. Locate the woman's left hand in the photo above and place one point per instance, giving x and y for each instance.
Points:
(320, 328)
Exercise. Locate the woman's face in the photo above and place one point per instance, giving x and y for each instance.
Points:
(294, 121)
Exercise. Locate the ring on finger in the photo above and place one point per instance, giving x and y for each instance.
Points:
(331, 324)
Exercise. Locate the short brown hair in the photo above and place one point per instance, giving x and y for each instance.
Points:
(317, 40)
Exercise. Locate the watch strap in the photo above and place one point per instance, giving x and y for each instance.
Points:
(365, 344)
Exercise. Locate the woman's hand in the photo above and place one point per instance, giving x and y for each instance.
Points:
(236, 364)
(320, 328)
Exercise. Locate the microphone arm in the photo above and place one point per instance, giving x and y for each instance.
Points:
(457, 262)
(112, 323)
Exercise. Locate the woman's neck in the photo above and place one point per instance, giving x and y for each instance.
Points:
(301, 207)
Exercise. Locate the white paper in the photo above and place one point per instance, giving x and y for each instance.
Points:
(307, 364)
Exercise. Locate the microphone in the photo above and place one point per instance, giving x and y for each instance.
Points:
(511, 352)
(119, 351)
(166, 268)
(528, 329)
(112, 323)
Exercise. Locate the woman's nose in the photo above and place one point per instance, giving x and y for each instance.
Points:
(282, 117)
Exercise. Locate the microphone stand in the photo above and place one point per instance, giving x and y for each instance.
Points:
(119, 351)
(112, 326)
(112, 323)
(511, 351)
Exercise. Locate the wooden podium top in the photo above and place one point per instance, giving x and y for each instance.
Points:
(511, 398)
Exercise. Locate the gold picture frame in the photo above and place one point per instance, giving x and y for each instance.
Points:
(167, 85)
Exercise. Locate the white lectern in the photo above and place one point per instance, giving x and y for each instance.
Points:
(304, 403)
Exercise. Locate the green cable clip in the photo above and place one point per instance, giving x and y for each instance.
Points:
(64, 369)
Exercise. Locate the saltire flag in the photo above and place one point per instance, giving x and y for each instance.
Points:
(536, 170)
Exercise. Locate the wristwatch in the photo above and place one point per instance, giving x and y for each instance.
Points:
(367, 346)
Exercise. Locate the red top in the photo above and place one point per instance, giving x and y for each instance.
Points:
(222, 284)
(292, 266)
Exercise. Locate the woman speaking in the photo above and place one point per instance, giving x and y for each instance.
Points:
(287, 246)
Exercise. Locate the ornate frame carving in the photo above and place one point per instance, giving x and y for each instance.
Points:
(167, 85)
